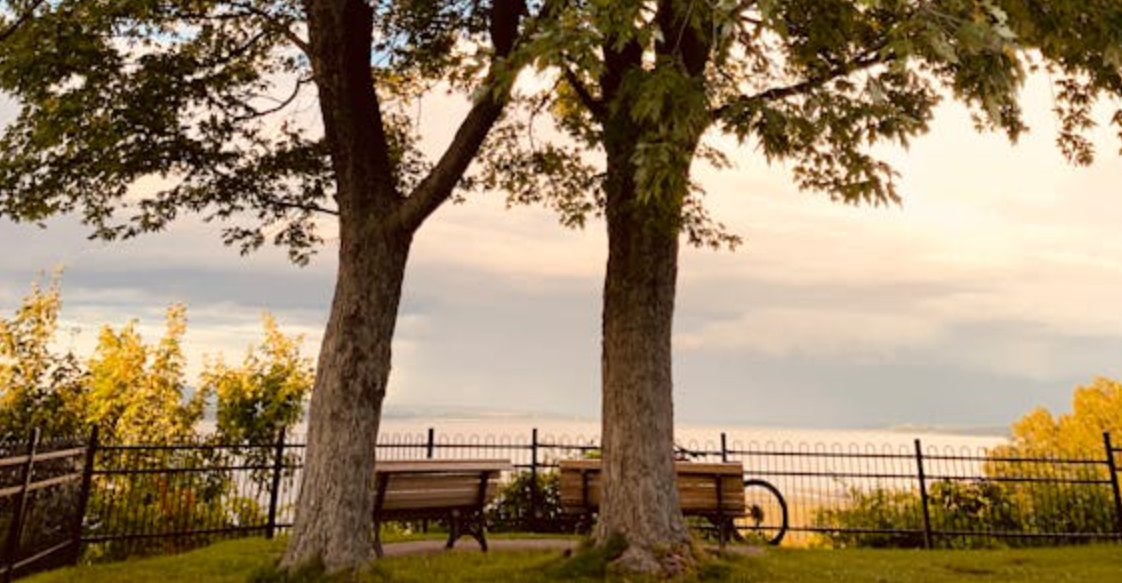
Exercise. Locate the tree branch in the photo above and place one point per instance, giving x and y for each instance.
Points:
(254, 113)
(437, 186)
(20, 21)
(276, 24)
(314, 208)
(870, 59)
(494, 93)
(590, 102)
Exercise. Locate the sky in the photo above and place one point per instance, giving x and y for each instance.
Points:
(996, 287)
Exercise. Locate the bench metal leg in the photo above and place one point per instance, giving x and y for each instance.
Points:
(378, 539)
(723, 532)
(479, 531)
(453, 529)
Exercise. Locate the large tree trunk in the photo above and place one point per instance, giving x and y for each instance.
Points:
(639, 504)
(376, 224)
(640, 495)
(336, 505)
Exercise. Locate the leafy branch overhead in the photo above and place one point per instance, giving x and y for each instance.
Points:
(814, 84)
(135, 112)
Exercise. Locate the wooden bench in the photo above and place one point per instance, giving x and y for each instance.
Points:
(714, 491)
(454, 490)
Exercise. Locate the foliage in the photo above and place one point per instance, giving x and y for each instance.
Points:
(1065, 444)
(262, 397)
(38, 386)
(514, 506)
(954, 505)
(874, 509)
(812, 84)
(975, 506)
(139, 111)
(134, 89)
(137, 392)
(1096, 409)
(1049, 479)
(266, 393)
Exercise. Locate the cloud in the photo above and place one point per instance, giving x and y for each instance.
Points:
(820, 331)
(989, 291)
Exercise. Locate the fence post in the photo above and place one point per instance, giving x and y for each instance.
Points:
(84, 495)
(923, 496)
(724, 447)
(274, 491)
(430, 452)
(1113, 468)
(15, 529)
(535, 509)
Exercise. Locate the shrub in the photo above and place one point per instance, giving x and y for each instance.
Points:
(878, 509)
(514, 507)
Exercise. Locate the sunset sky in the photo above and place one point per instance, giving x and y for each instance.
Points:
(996, 287)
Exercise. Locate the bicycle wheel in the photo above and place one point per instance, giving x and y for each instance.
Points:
(765, 519)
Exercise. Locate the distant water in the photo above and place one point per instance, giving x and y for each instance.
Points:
(518, 429)
(697, 436)
(814, 468)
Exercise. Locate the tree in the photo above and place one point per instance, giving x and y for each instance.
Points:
(38, 386)
(133, 112)
(138, 392)
(266, 393)
(811, 83)
(1096, 409)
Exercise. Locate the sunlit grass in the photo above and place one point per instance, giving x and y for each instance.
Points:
(237, 561)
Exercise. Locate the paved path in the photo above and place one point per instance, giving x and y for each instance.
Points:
(561, 545)
(425, 547)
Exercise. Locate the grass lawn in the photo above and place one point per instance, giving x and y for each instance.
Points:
(235, 561)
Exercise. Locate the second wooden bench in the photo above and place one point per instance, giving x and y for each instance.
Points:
(714, 491)
(454, 490)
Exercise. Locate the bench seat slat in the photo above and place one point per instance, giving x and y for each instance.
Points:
(407, 482)
(683, 468)
(437, 499)
(443, 466)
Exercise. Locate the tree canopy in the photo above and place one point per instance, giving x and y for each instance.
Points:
(133, 113)
(816, 85)
(1096, 408)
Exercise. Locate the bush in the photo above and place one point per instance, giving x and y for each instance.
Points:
(974, 506)
(514, 508)
(873, 510)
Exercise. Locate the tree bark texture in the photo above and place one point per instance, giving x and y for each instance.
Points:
(639, 501)
(336, 505)
(334, 517)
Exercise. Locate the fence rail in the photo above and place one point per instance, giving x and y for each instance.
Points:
(115, 500)
(41, 531)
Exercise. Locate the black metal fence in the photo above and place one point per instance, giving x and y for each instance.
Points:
(114, 500)
(43, 489)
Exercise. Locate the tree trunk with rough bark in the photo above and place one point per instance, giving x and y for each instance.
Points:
(640, 504)
(336, 502)
(334, 518)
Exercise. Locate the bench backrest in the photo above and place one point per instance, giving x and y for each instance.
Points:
(702, 487)
(437, 484)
